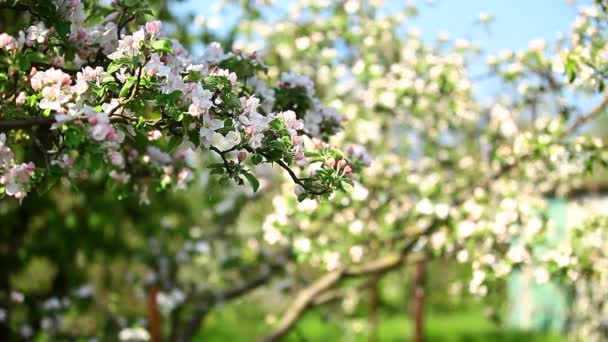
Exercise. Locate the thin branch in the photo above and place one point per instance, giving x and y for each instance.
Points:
(302, 302)
(292, 174)
(581, 120)
(7, 125)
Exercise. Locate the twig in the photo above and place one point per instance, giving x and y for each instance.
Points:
(291, 173)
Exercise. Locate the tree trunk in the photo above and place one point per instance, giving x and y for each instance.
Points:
(418, 302)
(154, 315)
(373, 307)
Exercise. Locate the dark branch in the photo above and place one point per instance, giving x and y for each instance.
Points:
(7, 125)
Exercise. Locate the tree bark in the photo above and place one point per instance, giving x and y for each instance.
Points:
(154, 315)
(418, 301)
(373, 294)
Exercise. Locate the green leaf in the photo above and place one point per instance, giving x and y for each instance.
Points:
(116, 64)
(256, 159)
(127, 86)
(113, 67)
(131, 3)
(570, 69)
(163, 45)
(255, 184)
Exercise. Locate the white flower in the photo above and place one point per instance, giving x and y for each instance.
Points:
(100, 127)
(356, 253)
(302, 244)
(291, 121)
(53, 97)
(134, 334)
(517, 254)
(425, 207)
(157, 155)
(16, 179)
(37, 33)
(250, 105)
(233, 138)
(207, 131)
(6, 155)
(214, 53)
(256, 140)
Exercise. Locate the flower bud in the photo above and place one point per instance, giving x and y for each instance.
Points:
(153, 27)
(331, 162)
(341, 163)
(154, 135)
(348, 169)
(5, 39)
(20, 98)
(242, 155)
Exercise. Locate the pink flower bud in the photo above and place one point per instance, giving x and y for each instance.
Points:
(300, 158)
(184, 174)
(20, 98)
(153, 27)
(93, 120)
(111, 134)
(341, 163)
(348, 169)
(331, 162)
(241, 156)
(117, 159)
(30, 167)
(5, 40)
(154, 135)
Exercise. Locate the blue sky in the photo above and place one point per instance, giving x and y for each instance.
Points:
(516, 21)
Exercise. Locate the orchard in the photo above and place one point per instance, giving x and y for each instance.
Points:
(321, 164)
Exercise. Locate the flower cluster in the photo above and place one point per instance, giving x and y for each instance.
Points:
(140, 103)
(15, 179)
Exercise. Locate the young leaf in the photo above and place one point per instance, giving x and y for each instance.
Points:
(255, 184)
(163, 45)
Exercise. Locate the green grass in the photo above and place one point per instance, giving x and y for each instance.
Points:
(245, 323)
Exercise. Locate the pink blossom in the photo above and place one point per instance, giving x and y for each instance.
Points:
(20, 98)
(300, 158)
(117, 159)
(17, 178)
(6, 40)
(157, 155)
(154, 135)
(153, 27)
(250, 105)
(53, 98)
(100, 127)
(241, 155)
(122, 177)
